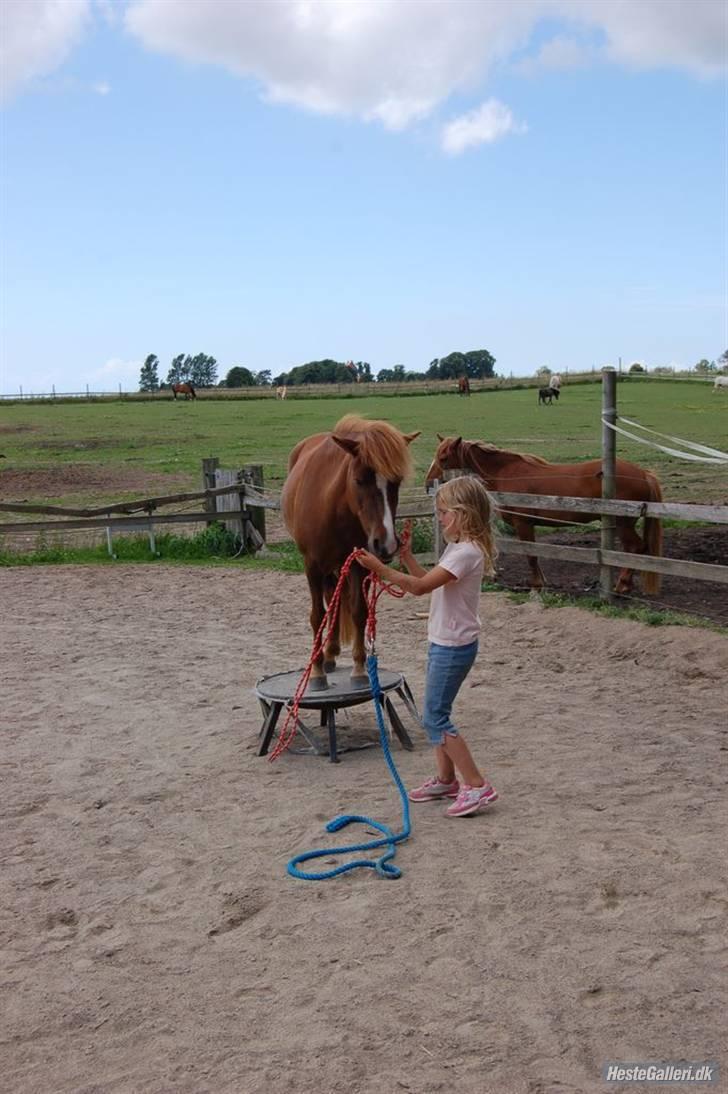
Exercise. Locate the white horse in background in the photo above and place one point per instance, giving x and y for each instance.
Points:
(720, 381)
(281, 391)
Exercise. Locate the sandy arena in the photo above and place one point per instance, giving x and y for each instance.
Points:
(152, 941)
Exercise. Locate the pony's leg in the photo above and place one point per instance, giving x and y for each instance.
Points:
(631, 541)
(526, 532)
(332, 648)
(316, 588)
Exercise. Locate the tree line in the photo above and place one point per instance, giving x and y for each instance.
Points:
(479, 364)
(201, 371)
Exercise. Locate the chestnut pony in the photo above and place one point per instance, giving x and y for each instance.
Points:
(342, 492)
(520, 473)
(186, 389)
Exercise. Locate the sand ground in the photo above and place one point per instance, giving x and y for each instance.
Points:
(151, 938)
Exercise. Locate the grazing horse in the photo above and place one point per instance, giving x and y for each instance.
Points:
(720, 381)
(185, 389)
(547, 395)
(341, 492)
(463, 386)
(281, 391)
(520, 473)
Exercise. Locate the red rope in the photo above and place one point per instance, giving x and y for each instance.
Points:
(372, 588)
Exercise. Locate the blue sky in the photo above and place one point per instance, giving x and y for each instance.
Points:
(273, 183)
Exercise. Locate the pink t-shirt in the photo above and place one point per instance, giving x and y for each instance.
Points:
(454, 619)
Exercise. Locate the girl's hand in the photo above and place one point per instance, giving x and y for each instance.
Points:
(370, 562)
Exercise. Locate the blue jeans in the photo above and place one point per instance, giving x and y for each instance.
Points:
(447, 667)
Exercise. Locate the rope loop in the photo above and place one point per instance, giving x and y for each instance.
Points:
(383, 866)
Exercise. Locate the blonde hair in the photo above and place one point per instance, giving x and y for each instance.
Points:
(467, 497)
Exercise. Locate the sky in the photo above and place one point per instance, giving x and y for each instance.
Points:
(279, 181)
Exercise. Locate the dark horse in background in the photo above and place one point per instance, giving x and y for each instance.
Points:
(547, 394)
(519, 473)
(463, 386)
(185, 389)
(342, 492)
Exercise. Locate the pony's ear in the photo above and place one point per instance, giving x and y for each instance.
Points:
(440, 437)
(410, 437)
(347, 443)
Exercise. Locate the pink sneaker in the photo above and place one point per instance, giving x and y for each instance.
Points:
(433, 789)
(472, 799)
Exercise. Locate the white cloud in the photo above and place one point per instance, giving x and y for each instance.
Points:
(688, 34)
(489, 122)
(35, 38)
(102, 88)
(381, 60)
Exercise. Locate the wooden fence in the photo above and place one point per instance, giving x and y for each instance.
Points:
(242, 504)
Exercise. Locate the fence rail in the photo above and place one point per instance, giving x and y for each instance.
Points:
(115, 518)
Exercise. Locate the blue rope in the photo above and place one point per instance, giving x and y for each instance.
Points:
(383, 865)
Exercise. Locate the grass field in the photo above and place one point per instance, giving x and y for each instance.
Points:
(90, 453)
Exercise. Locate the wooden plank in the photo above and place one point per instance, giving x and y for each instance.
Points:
(697, 571)
(119, 507)
(589, 555)
(225, 503)
(714, 514)
(117, 522)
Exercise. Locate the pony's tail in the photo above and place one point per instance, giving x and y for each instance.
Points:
(652, 535)
(193, 393)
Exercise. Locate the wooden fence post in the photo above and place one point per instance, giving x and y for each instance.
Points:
(253, 475)
(209, 466)
(609, 448)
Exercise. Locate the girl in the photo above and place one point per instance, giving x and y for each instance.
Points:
(463, 510)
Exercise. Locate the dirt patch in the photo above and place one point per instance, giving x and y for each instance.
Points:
(706, 599)
(80, 479)
(153, 941)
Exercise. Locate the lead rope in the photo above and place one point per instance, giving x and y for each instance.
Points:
(385, 868)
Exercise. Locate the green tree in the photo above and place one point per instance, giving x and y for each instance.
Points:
(149, 377)
(476, 364)
(704, 366)
(240, 377)
(176, 374)
(636, 367)
(320, 372)
(394, 375)
(202, 370)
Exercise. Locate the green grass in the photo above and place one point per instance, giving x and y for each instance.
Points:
(214, 543)
(161, 444)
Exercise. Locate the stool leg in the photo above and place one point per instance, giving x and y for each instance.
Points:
(331, 722)
(268, 726)
(397, 726)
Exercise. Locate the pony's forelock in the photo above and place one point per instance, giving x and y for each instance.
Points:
(381, 446)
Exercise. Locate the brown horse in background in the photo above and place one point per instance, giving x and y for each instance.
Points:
(342, 492)
(463, 386)
(185, 389)
(520, 473)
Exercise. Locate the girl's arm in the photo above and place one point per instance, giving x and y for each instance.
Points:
(417, 584)
(411, 564)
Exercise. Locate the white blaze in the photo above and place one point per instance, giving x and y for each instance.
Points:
(390, 543)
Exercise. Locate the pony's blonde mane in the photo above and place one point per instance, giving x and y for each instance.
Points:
(527, 456)
(381, 446)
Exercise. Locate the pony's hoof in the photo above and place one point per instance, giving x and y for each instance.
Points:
(329, 666)
(318, 683)
(359, 681)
